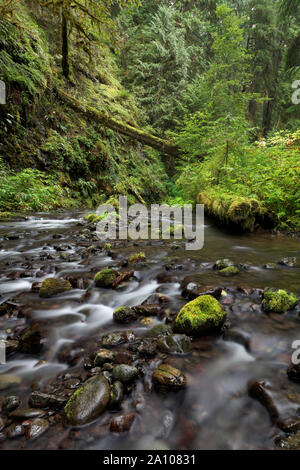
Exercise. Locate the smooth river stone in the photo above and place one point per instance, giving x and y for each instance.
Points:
(89, 401)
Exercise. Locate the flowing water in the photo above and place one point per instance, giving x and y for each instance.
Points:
(215, 411)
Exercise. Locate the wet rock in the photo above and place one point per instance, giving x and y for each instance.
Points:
(262, 392)
(26, 413)
(174, 344)
(36, 428)
(124, 373)
(116, 394)
(105, 278)
(230, 271)
(122, 423)
(155, 299)
(11, 402)
(89, 401)
(8, 380)
(151, 310)
(160, 330)
(44, 400)
(289, 443)
(201, 316)
(191, 291)
(166, 377)
(278, 301)
(239, 337)
(125, 315)
(104, 356)
(223, 264)
(2, 423)
(290, 425)
(14, 430)
(53, 286)
(291, 262)
(30, 340)
(11, 346)
(293, 372)
(113, 339)
(147, 321)
(147, 347)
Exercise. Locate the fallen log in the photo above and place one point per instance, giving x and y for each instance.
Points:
(104, 119)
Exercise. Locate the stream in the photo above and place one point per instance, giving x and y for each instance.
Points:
(215, 410)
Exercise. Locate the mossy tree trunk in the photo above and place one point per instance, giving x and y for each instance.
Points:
(104, 119)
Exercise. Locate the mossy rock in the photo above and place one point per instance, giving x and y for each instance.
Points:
(202, 316)
(125, 315)
(53, 286)
(105, 278)
(93, 218)
(278, 301)
(89, 401)
(223, 264)
(137, 257)
(230, 271)
(160, 330)
(166, 377)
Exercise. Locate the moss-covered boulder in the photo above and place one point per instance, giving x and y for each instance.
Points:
(278, 301)
(166, 377)
(89, 401)
(105, 278)
(125, 315)
(202, 316)
(230, 271)
(53, 286)
(137, 257)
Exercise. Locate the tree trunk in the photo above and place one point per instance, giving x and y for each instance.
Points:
(65, 46)
(118, 126)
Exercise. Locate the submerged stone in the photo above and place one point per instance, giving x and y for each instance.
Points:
(160, 330)
(278, 301)
(8, 380)
(89, 401)
(174, 344)
(230, 271)
(202, 316)
(116, 394)
(53, 286)
(36, 428)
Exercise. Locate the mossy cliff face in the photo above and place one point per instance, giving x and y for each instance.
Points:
(90, 162)
(202, 316)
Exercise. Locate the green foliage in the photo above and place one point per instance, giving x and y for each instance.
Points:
(29, 190)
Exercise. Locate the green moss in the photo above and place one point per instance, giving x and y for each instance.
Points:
(231, 209)
(203, 315)
(54, 286)
(137, 257)
(5, 216)
(278, 301)
(229, 271)
(105, 278)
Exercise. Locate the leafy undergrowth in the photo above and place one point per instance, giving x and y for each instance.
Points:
(264, 182)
